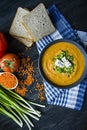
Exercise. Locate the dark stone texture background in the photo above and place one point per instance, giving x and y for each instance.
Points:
(53, 117)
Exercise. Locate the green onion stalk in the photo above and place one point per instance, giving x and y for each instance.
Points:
(17, 108)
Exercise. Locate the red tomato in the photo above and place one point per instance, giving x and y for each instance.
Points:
(2, 53)
(10, 62)
(3, 44)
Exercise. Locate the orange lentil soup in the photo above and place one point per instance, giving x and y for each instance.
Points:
(8, 80)
(61, 77)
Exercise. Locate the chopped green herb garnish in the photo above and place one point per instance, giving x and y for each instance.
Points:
(64, 63)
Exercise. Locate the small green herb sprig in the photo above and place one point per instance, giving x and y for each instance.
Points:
(69, 70)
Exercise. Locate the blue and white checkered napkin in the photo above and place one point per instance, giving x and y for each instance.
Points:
(73, 97)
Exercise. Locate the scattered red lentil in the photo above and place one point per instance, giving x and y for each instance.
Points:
(40, 88)
(28, 81)
(22, 91)
(26, 69)
(41, 96)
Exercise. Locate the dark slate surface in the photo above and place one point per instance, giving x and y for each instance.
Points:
(53, 117)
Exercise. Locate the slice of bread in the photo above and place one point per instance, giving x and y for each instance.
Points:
(24, 41)
(17, 29)
(38, 23)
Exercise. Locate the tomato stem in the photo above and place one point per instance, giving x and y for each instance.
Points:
(10, 64)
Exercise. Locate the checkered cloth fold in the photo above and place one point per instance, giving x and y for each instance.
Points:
(73, 97)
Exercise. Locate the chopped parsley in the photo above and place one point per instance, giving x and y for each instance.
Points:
(64, 63)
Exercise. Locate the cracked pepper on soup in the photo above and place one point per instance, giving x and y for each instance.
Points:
(63, 63)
